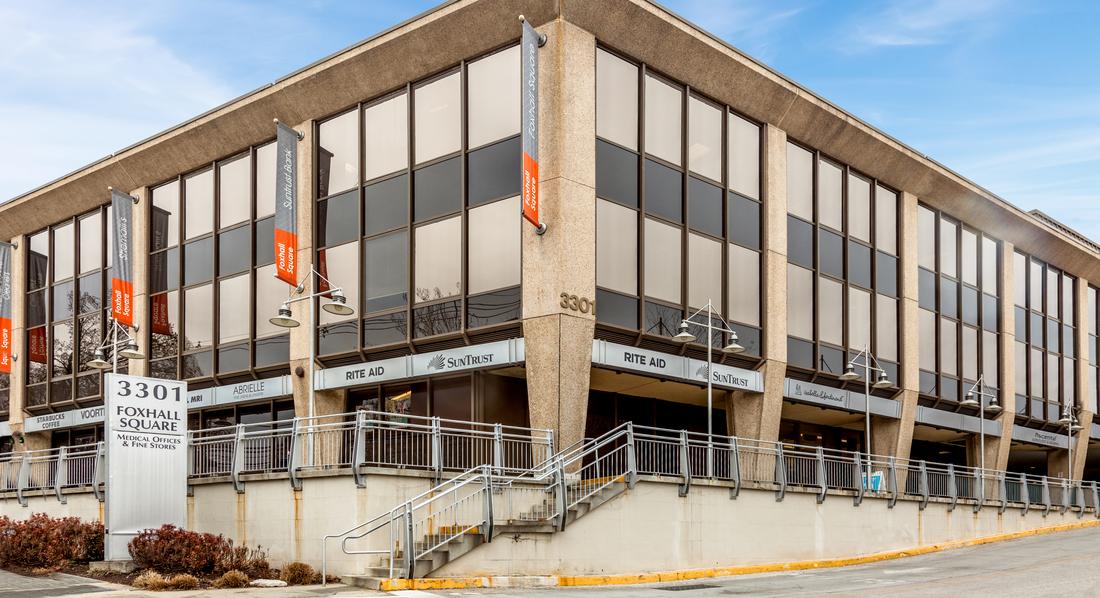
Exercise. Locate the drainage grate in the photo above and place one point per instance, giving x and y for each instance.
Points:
(688, 587)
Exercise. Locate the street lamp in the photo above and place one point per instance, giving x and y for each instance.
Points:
(124, 347)
(976, 397)
(1069, 422)
(732, 348)
(869, 365)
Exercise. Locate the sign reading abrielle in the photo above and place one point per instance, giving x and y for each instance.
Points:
(286, 204)
(146, 432)
(529, 94)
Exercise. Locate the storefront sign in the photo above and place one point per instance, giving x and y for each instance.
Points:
(839, 398)
(146, 439)
(725, 376)
(474, 357)
(286, 204)
(665, 365)
(122, 280)
(254, 390)
(197, 399)
(49, 421)
(956, 421)
(1033, 436)
(371, 372)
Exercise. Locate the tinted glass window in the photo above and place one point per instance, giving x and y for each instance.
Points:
(616, 174)
(385, 265)
(438, 318)
(234, 199)
(338, 154)
(385, 329)
(969, 305)
(386, 137)
(494, 172)
(494, 104)
(830, 253)
(662, 320)
(744, 156)
(927, 289)
(165, 221)
(198, 260)
(265, 241)
(233, 251)
(493, 308)
(663, 191)
(616, 309)
(338, 220)
(63, 299)
(199, 200)
(616, 100)
(886, 274)
(744, 221)
(704, 207)
(800, 242)
(386, 205)
(437, 189)
(438, 116)
(949, 298)
(663, 120)
(616, 247)
(859, 264)
(438, 263)
(493, 246)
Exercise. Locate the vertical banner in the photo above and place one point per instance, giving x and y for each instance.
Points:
(122, 280)
(146, 438)
(286, 204)
(5, 308)
(529, 98)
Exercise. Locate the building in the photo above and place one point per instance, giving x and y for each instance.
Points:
(676, 171)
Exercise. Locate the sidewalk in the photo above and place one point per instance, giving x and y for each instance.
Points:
(18, 586)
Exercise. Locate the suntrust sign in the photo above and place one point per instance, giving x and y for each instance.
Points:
(664, 365)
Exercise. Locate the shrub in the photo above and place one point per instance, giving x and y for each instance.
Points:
(45, 542)
(252, 562)
(231, 579)
(174, 550)
(298, 574)
(151, 580)
(183, 581)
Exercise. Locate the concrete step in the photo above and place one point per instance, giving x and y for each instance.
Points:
(362, 581)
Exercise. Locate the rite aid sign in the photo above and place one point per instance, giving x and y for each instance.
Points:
(664, 365)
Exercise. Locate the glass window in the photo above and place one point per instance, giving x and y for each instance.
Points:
(1021, 369)
(164, 270)
(800, 176)
(616, 174)
(969, 257)
(970, 353)
(494, 89)
(386, 205)
(704, 272)
(338, 219)
(438, 118)
(1036, 361)
(341, 266)
(265, 241)
(165, 224)
(664, 191)
(265, 180)
(492, 172)
(859, 208)
(949, 343)
(704, 207)
(233, 299)
(197, 319)
(270, 293)
(704, 139)
(1052, 377)
(1068, 312)
(859, 264)
(830, 253)
(494, 246)
(1052, 291)
(800, 242)
(830, 311)
(989, 266)
(164, 322)
(63, 300)
(662, 261)
(385, 265)
(63, 252)
(927, 323)
(616, 100)
(744, 157)
(338, 154)
(198, 192)
(744, 285)
(91, 243)
(830, 207)
(990, 361)
(886, 220)
(233, 250)
(859, 320)
(1019, 282)
(234, 200)
(744, 221)
(198, 261)
(616, 309)
(386, 136)
(438, 262)
(62, 354)
(616, 247)
(90, 293)
(926, 238)
(438, 189)
(949, 297)
(886, 274)
(948, 248)
(1036, 285)
(663, 116)
(38, 260)
(886, 327)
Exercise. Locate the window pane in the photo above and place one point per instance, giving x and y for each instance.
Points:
(338, 219)
(859, 319)
(341, 266)
(338, 154)
(800, 242)
(198, 317)
(165, 226)
(496, 307)
(969, 305)
(63, 252)
(927, 324)
(662, 320)
(926, 238)
(830, 311)
(616, 174)
(800, 302)
(494, 89)
(164, 270)
(744, 221)
(704, 139)
(438, 189)
(744, 157)
(970, 353)
(1019, 279)
(63, 298)
(438, 262)
(662, 261)
(1052, 291)
(90, 294)
(438, 118)
(61, 357)
(164, 323)
(1021, 369)
(265, 241)
(886, 274)
(385, 265)
(36, 308)
(233, 251)
(385, 329)
(616, 247)
(1053, 377)
(233, 297)
(437, 318)
(830, 253)
(492, 172)
(949, 297)
(198, 191)
(664, 191)
(616, 309)
(1035, 284)
(989, 266)
(1036, 380)
(990, 361)
(663, 116)
(198, 261)
(704, 272)
(270, 293)
(948, 248)
(800, 176)
(494, 246)
(91, 243)
(830, 208)
(969, 257)
(859, 208)
(386, 137)
(88, 338)
(704, 207)
(859, 264)
(38, 260)
(744, 285)
(386, 205)
(886, 327)
(886, 223)
(234, 199)
(616, 100)
(949, 343)
(265, 180)
(1068, 315)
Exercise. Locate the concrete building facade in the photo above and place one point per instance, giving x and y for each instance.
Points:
(675, 172)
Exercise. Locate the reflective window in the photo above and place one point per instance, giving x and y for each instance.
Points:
(198, 192)
(830, 310)
(386, 137)
(704, 139)
(386, 205)
(616, 100)
(859, 208)
(338, 154)
(859, 326)
(340, 265)
(662, 261)
(926, 238)
(438, 262)
(969, 254)
(830, 205)
(91, 243)
(948, 248)
(265, 180)
(270, 293)
(492, 172)
(704, 207)
(616, 174)
(198, 321)
(438, 118)
(165, 219)
(664, 192)
(438, 189)
(233, 300)
(990, 274)
(744, 221)
(494, 89)
(494, 246)
(949, 342)
(886, 327)
(338, 219)
(385, 266)
(800, 176)
(663, 119)
(234, 191)
(233, 250)
(886, 224)
(800, 302)
(63, 252)
(704, 271)
(744, 156)
(616, 247)
(744, 285)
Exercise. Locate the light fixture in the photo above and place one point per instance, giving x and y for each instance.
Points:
(849, 373)
(131, 351)
(993, 408)
(734, 347)
(883, 381)
(970, 401)
(285, 319)
(99, 360)
(338, 304)
(684, 336)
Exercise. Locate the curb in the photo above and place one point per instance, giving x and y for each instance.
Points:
(458, 583)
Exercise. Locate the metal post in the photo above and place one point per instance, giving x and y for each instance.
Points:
(498, 448)
(238, 459)
(410, 543)
(1067, 488)
(867, 408)
(952, 488)
(780, 473)
(359, 449)
(710, 399)
(487, 533)
(60, 475)
(312, 360)
(437, 450)
(100, 470)
(631, 458)
(295, 461)
(922, 483)
(979, 479)
(822, 483)
(24, 477)
(1046, 497)
(685, 464)
(857, 474)
(1003, 488)
(893, 472)
(735, 469)
(1095, 500)
(1026, 492)
(560, 495)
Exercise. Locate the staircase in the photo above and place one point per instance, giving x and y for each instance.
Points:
(460, 514)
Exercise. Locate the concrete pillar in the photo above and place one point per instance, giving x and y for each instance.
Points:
(558, 341)
(300, 336)
(17, 392)
(140, 248)
(1085, 414)
(756, 415)
(997, 449)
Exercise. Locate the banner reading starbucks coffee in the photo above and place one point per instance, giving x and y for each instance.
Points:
(286, 204)
(122, 279)
(5, 308)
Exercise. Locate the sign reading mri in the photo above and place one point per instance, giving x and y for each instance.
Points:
(146, 438)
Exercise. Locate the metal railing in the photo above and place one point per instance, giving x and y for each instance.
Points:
(53, 470)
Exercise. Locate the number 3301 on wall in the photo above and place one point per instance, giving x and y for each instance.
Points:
(575, 303)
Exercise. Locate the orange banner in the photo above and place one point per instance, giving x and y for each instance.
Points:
(531, 189)
(162, 323)
(36, 345)
(5, 345)
(286, 249)
(122, 301)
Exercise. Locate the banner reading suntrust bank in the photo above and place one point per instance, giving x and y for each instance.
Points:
(122, 279)
(529, 94)
(5, 308)
(286, 204)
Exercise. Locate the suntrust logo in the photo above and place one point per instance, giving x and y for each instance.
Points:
(441, 362)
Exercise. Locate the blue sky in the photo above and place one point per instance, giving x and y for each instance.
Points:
(1005, 93)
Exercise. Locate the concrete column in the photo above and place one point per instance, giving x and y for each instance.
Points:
(139, 244)
(895, 436)
(757, 415)
(1085, 415)
(997, 449)
(558, 340)
(17, 390)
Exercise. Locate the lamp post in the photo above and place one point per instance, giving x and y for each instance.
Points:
(978, 390)
(1069, 422)
(336, 305)
(129, 349)
(869, 364)
(732, 348)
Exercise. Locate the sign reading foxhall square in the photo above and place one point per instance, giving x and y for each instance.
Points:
(146, 436)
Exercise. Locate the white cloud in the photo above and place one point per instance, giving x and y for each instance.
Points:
(750, 25)
(918, 23)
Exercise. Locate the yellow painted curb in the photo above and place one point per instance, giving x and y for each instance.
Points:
(457, 583)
